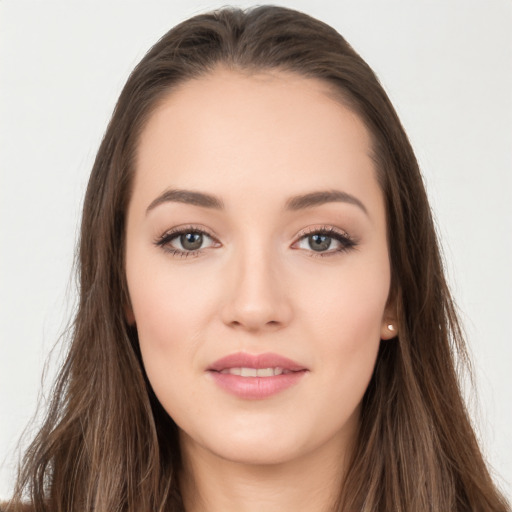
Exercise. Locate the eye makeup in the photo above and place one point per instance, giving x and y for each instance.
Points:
(186, 241)
(324, 241)
(192, 240)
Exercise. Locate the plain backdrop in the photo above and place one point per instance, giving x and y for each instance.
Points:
(447, 66)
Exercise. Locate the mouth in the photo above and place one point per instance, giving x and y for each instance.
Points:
(255, 377)
(248, 363)
(255, 372)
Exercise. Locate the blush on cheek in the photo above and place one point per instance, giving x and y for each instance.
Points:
(156, 307)
(351, 339)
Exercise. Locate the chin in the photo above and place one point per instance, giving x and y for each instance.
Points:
(263, 443)
(256, 452)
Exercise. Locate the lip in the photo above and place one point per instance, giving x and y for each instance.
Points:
(256, 388)
(259, 361)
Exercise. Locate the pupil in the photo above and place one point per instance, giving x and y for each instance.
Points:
(319, 242)
(191, 241)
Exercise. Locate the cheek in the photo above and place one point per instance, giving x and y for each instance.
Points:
(163, 324)
(350, 304)
(346, 324)
(173, 308)
(167, 304)
(167, 310)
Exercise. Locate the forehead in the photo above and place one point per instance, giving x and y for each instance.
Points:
(268, 132)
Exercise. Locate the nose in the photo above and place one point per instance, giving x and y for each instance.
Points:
(256, 296)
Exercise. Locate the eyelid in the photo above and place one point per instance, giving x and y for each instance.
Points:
(186, 228)
(324, 229)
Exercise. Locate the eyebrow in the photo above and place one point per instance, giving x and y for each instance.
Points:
(295, 203)
(322, 197)
(187, 197)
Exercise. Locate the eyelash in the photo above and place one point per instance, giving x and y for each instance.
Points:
(165, 240)
(346, 241)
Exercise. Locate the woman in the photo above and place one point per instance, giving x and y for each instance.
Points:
(264, 323)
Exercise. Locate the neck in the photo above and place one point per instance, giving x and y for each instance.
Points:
(310, 483)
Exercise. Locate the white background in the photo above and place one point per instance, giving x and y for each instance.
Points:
(447, 66)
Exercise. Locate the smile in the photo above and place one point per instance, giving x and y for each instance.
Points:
(256, 377)
(255, 372)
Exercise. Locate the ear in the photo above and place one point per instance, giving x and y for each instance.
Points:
(128, 314)
(388, 330)
(389, 325)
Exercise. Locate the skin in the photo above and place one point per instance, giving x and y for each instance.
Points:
(254, 141)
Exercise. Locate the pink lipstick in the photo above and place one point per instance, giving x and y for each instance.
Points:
(255, 377)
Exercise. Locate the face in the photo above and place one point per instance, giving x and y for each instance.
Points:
(257, 264)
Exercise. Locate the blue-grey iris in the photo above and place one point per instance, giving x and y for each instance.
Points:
(319, 242)
(191, 241)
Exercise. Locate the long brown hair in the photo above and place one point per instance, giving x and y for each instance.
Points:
(108, 445)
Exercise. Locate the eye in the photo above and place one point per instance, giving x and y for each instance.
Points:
(186, 242)
(324, 241)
